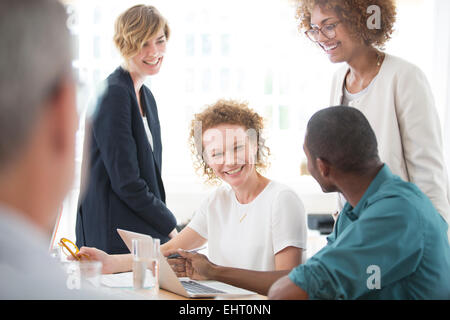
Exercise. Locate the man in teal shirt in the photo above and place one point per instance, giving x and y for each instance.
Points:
(389, 242)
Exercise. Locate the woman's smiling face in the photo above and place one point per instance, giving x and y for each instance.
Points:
(339, 48)
(230, 151)
(148, 61)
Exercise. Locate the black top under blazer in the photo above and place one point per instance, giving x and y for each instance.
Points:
(124, 186)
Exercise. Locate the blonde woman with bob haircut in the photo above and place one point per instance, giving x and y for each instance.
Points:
(124, 188)
(251, 224)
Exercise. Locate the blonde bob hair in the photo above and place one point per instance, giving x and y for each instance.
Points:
(135, 26)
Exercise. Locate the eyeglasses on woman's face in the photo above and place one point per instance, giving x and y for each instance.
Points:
(328, 30)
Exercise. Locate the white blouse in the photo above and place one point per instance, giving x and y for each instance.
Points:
(148, 132)
(399, 106)
(248, 236)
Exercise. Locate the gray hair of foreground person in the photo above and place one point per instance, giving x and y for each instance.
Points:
(38, 115)
(35, 55)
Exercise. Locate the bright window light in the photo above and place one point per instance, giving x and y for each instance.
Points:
(246, 50)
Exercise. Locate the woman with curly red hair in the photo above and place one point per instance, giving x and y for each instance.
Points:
(392, 93)
(250, 223)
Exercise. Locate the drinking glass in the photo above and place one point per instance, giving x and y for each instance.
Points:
(145, 254)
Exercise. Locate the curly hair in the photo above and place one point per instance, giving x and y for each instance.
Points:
(225, 112)
(354, 15)
(135, 26)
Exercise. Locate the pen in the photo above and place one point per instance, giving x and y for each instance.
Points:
(176, 255)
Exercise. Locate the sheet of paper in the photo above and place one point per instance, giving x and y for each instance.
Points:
(124, 280)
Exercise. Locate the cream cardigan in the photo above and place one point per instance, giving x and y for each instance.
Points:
(400, 108)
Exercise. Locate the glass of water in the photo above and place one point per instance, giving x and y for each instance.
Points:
(146, 264)
(154, 267)
(83, 274)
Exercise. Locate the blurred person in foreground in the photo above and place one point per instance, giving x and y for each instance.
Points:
(38, 121)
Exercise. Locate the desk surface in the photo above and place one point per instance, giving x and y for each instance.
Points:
(166, 295)
(120, 286)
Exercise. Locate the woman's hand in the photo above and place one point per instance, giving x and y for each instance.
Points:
(87, 253)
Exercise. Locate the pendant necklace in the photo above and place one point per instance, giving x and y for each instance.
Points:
(244, 209)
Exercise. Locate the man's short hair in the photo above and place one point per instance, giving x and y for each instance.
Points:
(35, 54)
(343, 137)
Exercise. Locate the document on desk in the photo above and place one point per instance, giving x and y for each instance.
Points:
(124, 280)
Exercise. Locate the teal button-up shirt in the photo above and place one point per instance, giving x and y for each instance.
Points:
(392, 245)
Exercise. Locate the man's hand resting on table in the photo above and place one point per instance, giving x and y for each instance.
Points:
(193, 265)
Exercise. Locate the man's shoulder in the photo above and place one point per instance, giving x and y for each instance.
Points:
(26, 269)
(401, 197)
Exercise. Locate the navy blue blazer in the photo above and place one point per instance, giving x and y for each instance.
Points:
(124, 186)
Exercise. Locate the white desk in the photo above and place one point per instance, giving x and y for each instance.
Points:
(125, 293)
(130, 293)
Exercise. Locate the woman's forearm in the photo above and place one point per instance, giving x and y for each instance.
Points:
(122, 262)
(186, 239)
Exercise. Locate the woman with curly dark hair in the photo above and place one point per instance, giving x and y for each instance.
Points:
(393, 94)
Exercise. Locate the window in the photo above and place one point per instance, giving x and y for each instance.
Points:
(190, 45)
(225, 80)
(206, 44)
(225, 44)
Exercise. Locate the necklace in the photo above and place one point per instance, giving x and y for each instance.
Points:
(380, 56)
(243, 217)
(244, 209)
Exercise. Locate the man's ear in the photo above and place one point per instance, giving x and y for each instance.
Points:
(323, 167)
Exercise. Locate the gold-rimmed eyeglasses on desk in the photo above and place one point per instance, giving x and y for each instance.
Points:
(70, 248)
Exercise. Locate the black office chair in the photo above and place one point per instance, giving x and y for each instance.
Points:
(323, 222)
